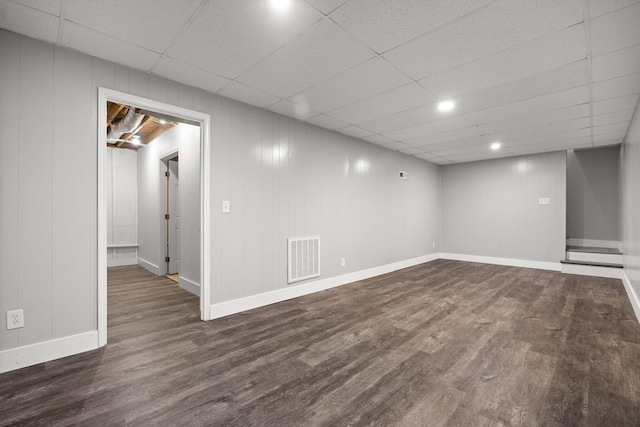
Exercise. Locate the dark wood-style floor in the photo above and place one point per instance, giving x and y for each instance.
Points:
(444, 343)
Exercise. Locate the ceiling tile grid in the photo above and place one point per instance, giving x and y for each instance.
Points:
(536, 75)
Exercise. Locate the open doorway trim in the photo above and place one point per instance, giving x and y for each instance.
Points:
(204, 120)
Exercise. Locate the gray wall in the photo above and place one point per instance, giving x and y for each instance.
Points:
(491, 208)
(631, 204)
(152, 190)
(283, 178)
(593, 194)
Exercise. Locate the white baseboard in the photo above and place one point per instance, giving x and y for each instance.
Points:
(631, 293)
(540, 265)
(119, 262)
(247, 303)
(188, 285)
(29, 355)
(613, 244)
(149, 266)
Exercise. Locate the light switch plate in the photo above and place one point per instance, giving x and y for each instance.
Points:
(226, 206)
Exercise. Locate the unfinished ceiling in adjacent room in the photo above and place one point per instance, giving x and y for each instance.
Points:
(534, 75)
(133, 128)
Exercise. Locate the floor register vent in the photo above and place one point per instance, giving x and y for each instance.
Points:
(304, 258)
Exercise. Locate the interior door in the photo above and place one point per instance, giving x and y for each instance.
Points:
(173, 226)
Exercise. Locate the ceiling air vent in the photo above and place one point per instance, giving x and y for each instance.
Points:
(304, 258)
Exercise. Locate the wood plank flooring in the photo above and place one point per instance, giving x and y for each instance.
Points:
(445, 343)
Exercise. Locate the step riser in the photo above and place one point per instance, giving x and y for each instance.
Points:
(589, 270)
(593, 257)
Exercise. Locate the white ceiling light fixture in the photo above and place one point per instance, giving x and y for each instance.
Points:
(495, 146)
(446, 106)
(281, 5)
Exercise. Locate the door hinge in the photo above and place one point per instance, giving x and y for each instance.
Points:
(166, 259)
(166, 174)
(166, 216)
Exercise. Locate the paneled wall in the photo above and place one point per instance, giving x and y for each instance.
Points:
(152, 187)
(631, 207)
(282, 177)
(491, 208)
(593, 194)
(121, 187)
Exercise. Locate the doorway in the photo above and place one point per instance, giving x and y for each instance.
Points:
(172, 219)
(195, 117)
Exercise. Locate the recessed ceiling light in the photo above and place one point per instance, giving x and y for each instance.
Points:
(495, 145)
(163, 122)
(281, 5)
(446, 105)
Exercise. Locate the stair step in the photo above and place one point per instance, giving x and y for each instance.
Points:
(591, 263)
(593, 257)
(594, 249)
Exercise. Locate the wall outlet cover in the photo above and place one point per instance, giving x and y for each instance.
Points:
(15, 319)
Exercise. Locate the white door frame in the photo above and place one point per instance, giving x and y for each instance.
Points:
(204, 119)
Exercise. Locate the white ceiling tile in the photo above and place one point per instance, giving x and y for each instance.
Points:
(616, 30)
(608, 138)
(27, 21)
(189, 75)
(539, 104)
(51, 7)
(613, 105)
(610, 118)
(616, 87)
(392, 101)
(378, 139)
(600, 7)
(616, 64)
(582, 142)
(608, 142)
(327, 122)
(559, 79)
(439, 161)
(453, 135)
(444, 125)
(228, 37)
(106, 47)
(474, 141)
(474, 156)
(326, 6)
(620, 127)
(151, 24)
(397, 146)
(355, 131)
(290, 109)
(426, 156)
(411, 151)
(538, 130)
(500, 25)
(482, 149)
(407, 118)
(248, 95)
(319, 53)
(544, 118)
(550, 138)
(542, 54)
(362, 81)
(385, 24)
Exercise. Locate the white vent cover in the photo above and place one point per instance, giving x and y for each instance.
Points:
(304, 258)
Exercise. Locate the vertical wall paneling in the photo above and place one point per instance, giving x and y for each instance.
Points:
(491, 208)
(9, 158)
(71, 187)
(631, 210)
(34, 189)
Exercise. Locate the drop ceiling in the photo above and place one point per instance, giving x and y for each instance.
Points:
(535, 75)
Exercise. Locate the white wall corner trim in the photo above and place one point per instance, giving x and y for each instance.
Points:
(188, 285)
(633, 297)
(541, 265)
(149, 266)
(46, 351)
(247, 303)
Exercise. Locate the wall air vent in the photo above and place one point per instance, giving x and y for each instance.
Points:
(304, 258)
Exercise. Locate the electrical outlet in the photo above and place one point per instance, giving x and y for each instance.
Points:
(15, 319)
(343, 262)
